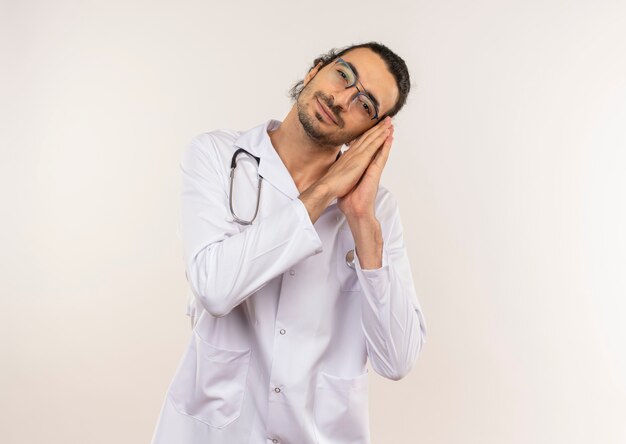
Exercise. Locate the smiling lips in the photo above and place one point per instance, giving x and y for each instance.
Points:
(327, 112)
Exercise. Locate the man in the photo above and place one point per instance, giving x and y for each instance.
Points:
(299, 273)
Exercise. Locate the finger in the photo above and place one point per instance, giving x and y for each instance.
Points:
(380, 159)
(371, 135)
(388, 141)
(386, 149)
(372, 145)
(372, 132)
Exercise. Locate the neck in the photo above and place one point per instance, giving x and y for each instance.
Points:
(306, 160)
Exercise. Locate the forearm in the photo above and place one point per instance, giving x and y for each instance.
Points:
(226, 272)
(316, 198)
(368, 239)
(393, 324)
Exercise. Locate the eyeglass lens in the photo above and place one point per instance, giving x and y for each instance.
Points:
(344, 75)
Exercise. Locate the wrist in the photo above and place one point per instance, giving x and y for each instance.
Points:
(362, 222)
(316, 198)
(368, 241)
(323, 191)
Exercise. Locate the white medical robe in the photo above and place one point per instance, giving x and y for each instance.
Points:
(284, 326)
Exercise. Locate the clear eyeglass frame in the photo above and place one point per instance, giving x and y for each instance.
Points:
(345, 65)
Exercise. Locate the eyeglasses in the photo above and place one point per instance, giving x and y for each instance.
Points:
(344, 75)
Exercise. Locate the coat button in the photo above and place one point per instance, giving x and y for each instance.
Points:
(277, 390)
(350, 259)
(292, 272)
(283, 331)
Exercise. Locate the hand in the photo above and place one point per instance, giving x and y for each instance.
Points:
(350, 168)
(360, 201)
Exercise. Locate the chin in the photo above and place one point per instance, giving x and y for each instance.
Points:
(313, 124)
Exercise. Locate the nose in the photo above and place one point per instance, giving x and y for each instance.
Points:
(342, 99)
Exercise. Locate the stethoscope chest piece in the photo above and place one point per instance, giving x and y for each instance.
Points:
(350, 259)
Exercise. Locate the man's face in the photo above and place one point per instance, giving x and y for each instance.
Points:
(326, 89)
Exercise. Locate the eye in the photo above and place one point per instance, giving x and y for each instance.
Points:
(367, 105)
(343, 75)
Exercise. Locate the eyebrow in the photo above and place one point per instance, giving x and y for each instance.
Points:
(356, 73)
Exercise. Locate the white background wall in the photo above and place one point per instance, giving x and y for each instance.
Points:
(508, 165)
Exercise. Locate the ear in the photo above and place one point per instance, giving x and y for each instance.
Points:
(312, 72)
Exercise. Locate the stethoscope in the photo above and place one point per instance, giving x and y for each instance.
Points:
(233, 166)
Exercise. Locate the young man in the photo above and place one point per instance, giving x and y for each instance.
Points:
(299, 272)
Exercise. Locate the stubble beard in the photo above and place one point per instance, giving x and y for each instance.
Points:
(311, 122)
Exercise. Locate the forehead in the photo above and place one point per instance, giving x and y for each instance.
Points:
(375, 76)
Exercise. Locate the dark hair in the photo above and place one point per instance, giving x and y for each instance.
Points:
(394, 63)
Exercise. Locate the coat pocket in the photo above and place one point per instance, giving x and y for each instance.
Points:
(210, 383)
(341, 409)
(348, 279)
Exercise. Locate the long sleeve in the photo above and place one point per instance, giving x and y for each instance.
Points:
(223, 264)
(392, 319)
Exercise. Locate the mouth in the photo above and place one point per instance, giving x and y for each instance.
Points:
(326, 112)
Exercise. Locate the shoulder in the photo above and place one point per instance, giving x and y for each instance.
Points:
(211, 148)
(215, 139)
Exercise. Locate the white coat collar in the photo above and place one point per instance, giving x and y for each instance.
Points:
(271, 167)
